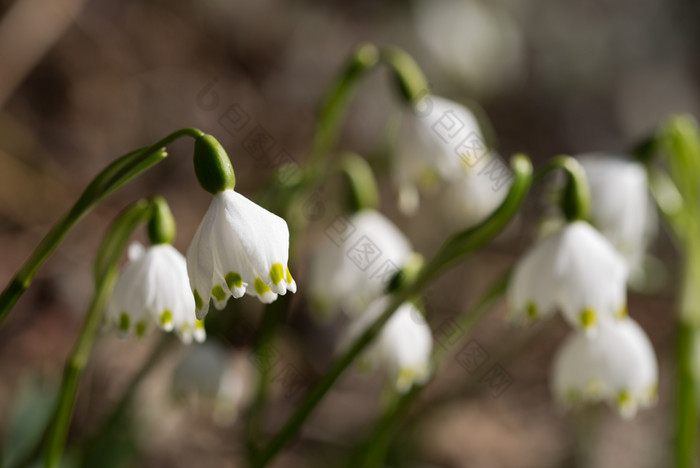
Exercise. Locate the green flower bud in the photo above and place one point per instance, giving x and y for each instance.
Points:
(161, 226)
(212, 165)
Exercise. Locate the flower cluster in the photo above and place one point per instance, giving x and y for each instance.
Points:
(579, 272)
(338, 280)
(238, 248)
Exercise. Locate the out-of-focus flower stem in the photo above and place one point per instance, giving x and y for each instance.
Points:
(454, 249)
(679, 139)
(107, 182)
(112, 247)
(372, 452)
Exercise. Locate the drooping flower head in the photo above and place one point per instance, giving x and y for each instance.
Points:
(575, 270)
(239, 247)
(154, 289)
(402, 348)
(441, 141)
(617, 365)
(355, 261)
(621, 207)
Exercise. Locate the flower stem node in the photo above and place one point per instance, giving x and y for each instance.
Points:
(238, 248)
(153, 290)
(212, 165)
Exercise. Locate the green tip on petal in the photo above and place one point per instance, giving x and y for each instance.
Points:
(622, 313)
(218, 292)
(260, 287)
(198, 302)
(140, 329)
(587, 318)
(199, 325)
(531, 311)
(277, 273)
(288, 277)
(124, 322)
(166, 317)
(233, 280)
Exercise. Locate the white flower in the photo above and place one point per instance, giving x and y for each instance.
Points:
(575, 270)
(618, 365)
(238, 248)
(467, 201)
(355, 261)
(621, 208)
(440, 142)
(154, 288)
(402, 348)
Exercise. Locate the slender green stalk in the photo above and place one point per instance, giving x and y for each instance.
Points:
(576, 199)
(337, 99)
(372, 452)
(679, 138)
(107, 182)
(117, 238)
(454, 249)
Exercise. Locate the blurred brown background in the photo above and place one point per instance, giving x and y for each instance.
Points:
(82, 82)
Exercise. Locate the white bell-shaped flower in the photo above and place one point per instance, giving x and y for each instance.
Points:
(153, 288)
(403, 347)
(355, 261)
(440, 141)
(576, 270)
(238, 248)
(618, 366)
(621, 207)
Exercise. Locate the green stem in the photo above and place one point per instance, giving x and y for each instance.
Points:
(118, 235)
(337, 99)
(686, 409)
(453, 249)
(576, 199)
(372, 452)
(107, 182)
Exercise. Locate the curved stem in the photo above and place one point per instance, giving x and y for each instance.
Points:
(337, 99)
(371, 453)
(117, 236)
(453, 249)
(107, 182)
(576, 199)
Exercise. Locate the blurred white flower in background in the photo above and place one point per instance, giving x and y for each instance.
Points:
(153, 288)
(439, 142)
(576, 270)
(618, 366)
(239, 248)
(403, 347)
(354, 262)
(621, 206)
(476, 43)
(216, 379)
